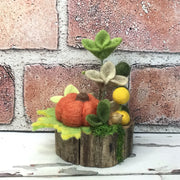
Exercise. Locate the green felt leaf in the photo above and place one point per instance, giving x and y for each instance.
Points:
(104, 54)
(93, 120)
(103, 111)
(70, 89)
(103, 46)
(111, 46)
(48, 120)
(102, 39)
(90, 45)
(49, 112)
(86, 130)
(115, 42)
(107, 102)
(55, 99)
(69, 132)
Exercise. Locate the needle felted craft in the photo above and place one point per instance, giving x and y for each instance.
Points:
(92, 129)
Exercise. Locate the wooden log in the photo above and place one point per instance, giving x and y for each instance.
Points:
(93, 151)
(128, 140)
(67, 150)
(98, 151)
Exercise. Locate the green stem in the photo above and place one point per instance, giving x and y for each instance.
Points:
(102, 62)
(120, 107)
(102, 92)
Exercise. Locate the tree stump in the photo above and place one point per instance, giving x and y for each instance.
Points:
(93, 151)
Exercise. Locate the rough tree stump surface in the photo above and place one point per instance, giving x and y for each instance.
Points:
(93, 151)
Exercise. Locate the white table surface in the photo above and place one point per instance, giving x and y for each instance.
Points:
(30, 156)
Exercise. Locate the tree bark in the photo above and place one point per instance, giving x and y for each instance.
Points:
(67, 150)
(93, 151)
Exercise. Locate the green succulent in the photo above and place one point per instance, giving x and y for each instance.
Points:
(102, 115)
(102, 46)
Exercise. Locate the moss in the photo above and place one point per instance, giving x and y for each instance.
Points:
(120, 143)
(105, 130)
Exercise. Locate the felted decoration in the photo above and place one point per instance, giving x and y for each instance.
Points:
(69, 89)
(122, 68)
(102, 46)
(107, 74)
(48, 120)
(103, 114)
(77, 112)
(115, 118)
(72, 109)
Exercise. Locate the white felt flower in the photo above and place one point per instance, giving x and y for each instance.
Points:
(107, 74)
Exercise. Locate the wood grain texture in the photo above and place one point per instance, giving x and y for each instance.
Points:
(94, 151)
(67, 150)
(98, 151)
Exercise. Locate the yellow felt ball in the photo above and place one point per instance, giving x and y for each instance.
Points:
(121, 95)
(125, 119)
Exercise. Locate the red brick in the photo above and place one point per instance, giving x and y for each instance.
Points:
(6, 95)
(28, 24)
(155, 95)
(44, 81)
(143, 25)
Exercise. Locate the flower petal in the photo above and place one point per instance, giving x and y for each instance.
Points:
(108, 71)
(94, 75)
(56, 99)
(120, 80)
(70, 89)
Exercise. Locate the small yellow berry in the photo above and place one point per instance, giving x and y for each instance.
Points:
(125, 119)
(121, 95)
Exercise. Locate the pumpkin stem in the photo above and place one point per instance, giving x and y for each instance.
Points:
(82, 97)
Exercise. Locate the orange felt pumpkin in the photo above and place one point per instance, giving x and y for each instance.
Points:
(72, 109)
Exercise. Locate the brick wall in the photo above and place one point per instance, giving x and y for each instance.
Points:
(40, 53)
